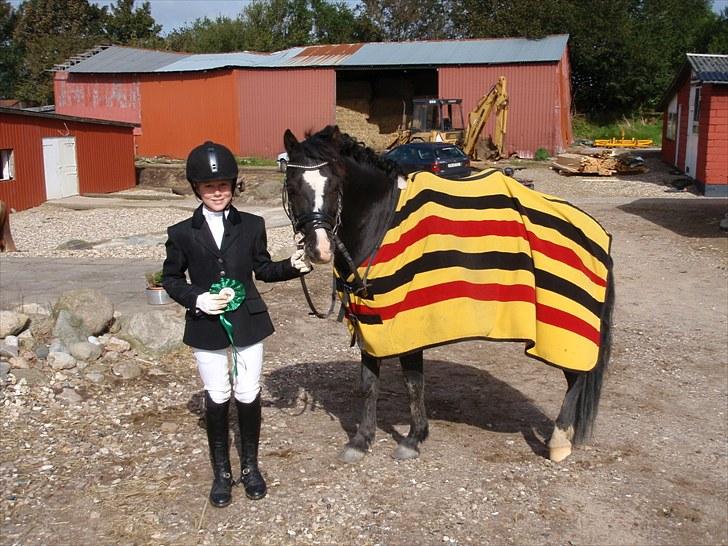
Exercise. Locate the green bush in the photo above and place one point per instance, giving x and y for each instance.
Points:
(641, 127)
(542, 154)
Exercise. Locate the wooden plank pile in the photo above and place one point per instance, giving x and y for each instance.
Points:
(603, 163)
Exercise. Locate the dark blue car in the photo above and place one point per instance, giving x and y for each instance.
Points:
(446, 160)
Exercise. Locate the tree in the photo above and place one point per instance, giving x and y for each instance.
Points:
(222, 35)
(10, 55)
(125, 25)
(49, 32)
(406, 20)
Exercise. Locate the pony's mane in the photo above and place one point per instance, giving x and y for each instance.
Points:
(323, 147)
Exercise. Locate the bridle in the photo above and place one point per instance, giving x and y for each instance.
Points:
(330, 224)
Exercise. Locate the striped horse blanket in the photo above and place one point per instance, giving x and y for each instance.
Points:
(484, 258)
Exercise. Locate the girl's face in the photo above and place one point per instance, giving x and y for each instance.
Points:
(216, 194)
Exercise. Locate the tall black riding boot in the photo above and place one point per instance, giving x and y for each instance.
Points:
(216, 420)
(249, 419)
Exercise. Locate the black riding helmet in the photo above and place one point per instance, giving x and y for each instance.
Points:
(211, 161)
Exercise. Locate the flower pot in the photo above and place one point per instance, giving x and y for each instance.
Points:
(158, 296)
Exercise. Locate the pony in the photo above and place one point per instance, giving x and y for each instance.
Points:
(348, 205)
(6, 238)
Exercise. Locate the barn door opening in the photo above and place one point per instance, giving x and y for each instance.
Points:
(691, 142)
(59, 162)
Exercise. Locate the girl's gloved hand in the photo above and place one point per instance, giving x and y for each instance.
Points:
(211, 304)
(299, 260)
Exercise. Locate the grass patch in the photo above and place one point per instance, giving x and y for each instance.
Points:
(255, 162)
(643, 127)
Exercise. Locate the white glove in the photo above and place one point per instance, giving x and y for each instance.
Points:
(300, 261)
(211, 304)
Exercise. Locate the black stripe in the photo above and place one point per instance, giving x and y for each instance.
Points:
(501, 201)
(432, 261)
(554, 283)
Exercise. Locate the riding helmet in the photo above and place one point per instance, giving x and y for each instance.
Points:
(211, 161)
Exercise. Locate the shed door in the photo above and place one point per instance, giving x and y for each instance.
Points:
(691, 143)
(59, 162)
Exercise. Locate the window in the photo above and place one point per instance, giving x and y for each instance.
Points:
(7, 165)
(696, 111)
(671, 132)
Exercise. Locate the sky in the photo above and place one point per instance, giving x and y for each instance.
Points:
(173, 14)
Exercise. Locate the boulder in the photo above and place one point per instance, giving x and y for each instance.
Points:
(12, 323)
(90, 307)
(155, 332)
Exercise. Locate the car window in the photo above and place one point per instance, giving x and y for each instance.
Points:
(426, 154)
(450, 153)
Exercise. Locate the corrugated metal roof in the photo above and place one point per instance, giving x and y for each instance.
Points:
(63, 117)
(709, 68)
(426, 53)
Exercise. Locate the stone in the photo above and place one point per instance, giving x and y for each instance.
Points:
(92, 308)
(12, 323)
(117, 345)
(61, 361)
(4, 369)
(127, 370)
(26, 341)
(41, 351)
(8, 350)
(69, 395)
(75, 244)
(18, 362)
(95, 375)
(33, 309)
(32, 376)
(83, 350)
(69, 328)
(156, 332)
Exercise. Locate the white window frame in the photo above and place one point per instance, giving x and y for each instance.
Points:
(671, 131)
(7, 164)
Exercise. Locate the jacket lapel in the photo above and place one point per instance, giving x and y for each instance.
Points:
(202, 232)
(233, 229)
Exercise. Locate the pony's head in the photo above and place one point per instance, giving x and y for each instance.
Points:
(313, 189)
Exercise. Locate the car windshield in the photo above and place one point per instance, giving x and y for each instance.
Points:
(450, 153)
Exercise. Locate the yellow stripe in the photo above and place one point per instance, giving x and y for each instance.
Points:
(564, 348)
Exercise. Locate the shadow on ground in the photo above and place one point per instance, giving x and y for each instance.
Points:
(686, 217)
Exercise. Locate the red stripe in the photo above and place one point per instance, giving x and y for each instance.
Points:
(451, 290)
(483, 292)
(567, 321)
(437, 225)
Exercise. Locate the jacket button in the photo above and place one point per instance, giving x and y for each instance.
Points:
(222, 272)
(219, 260)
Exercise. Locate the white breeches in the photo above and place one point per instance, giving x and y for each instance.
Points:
(214, 372)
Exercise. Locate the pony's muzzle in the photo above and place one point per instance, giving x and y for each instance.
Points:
(321, 250)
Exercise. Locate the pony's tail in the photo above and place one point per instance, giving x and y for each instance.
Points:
(589, 385)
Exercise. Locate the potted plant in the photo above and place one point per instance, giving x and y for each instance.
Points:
(156, 294)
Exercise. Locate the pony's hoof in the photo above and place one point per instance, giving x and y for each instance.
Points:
(558, 454)
(350, 455)
(402, 453)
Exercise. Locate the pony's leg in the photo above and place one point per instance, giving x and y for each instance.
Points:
(560, 441)
(414, 379)
(357, 447)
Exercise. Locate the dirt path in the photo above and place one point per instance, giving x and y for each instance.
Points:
(129, 465)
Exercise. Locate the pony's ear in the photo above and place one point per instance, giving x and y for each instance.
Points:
(289, 140)
(335, 134)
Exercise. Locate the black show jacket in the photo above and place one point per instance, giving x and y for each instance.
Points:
(192, 249)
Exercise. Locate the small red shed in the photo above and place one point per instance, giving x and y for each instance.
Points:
(695, 122)
(44, 155)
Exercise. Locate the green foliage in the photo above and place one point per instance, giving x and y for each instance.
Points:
(10, 54)
(542, 154)
(134, 27)
(255, 162)
(405, 20)
(640, 128)
(153, 278)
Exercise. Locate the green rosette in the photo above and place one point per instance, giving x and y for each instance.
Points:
(236, 291)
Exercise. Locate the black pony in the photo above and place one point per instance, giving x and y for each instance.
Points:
(342, 197)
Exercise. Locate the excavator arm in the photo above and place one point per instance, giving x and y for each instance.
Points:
(496, 99)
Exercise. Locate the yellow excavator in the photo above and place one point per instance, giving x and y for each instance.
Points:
(441, 120)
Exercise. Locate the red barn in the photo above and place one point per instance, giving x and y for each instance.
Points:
(48, 156)
(247, 100)
(695, 123)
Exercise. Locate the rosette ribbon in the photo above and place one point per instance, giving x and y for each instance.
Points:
(236, 291)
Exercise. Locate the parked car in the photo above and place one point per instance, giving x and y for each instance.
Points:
(282, 160)
(444, 160)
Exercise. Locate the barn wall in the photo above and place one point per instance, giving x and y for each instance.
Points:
(104, 157)
(536, 102)
(182, 110)
(712, 168)
(113, 97)
(271, 101)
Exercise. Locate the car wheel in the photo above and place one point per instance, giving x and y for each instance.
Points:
(282, 165)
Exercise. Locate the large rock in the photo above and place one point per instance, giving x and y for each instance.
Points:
(91, 310)
(12, 323)
(154, 332)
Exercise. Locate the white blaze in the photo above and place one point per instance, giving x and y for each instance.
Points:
(317, 183)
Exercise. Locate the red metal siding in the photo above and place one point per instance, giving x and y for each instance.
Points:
(104, 157)
(536, 98)
(272, 101)
(181, 111)
(103, 96)
(712, 168)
